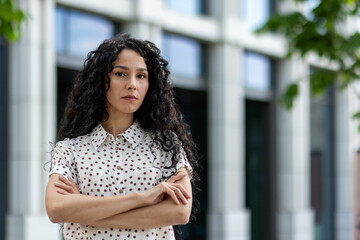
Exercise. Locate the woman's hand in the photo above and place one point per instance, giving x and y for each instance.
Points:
(177, 177)
(66, 186)
(175, 191)
(167, 189)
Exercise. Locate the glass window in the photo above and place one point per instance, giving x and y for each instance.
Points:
(193, 106)
(184, 55)
(257, 72)
(77, 33)
(260, 174)
(255, 12)
(190, 7)
(59, 24)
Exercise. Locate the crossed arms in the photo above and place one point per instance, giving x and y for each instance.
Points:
(168, 203)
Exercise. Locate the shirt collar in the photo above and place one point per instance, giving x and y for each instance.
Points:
(133, 135)
(98, 136)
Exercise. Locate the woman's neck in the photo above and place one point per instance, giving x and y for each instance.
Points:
(116, 125)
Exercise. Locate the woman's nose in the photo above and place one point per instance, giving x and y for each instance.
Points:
(131, 83)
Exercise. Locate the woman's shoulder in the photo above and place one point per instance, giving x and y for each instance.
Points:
(72, 142)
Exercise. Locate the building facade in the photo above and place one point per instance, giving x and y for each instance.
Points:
(269, 174)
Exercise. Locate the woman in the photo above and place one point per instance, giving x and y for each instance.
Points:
(123, 163)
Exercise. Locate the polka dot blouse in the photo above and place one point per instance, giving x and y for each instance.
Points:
(104, 165)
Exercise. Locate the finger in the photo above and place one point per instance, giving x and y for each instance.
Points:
(62, 192)
(172, 194)
(179, 194)
(72, 182)
(69, 182)
(64, 180)
(183, 190)
(65, 187)
(176, 177)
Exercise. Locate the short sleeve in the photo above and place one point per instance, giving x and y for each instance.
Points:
(182, 162)
(62, 160)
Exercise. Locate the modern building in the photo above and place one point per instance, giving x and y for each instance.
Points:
(269, 173)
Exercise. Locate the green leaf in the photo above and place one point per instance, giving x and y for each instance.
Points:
(320, 34)
(287, 98)
(356, 115)
(320, 81)
(10, 20)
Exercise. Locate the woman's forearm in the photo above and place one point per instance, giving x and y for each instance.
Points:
(64, 203)
(81, 208)
(162, 214)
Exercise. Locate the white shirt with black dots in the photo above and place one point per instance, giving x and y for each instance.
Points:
(102, 165)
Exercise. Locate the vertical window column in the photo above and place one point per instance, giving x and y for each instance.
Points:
(187, 67)
(260, 139)
(322, 164)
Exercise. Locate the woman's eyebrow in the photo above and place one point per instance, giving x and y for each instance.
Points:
(126, 68)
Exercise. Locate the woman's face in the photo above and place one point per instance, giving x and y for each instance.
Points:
(129, 83)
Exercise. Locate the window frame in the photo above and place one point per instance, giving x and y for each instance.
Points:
(256, 94)
(194, 83)
(65, 58)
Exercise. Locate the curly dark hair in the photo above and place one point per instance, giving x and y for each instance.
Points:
(159, 113)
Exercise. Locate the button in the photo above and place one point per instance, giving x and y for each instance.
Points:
(118, 167)
(121, 191)
(116, 148)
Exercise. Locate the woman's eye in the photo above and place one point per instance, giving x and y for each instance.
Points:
(120, 74)
(141, 76)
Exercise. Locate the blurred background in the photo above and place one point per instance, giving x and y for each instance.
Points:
(268, 173)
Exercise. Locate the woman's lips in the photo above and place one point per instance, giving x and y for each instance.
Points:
(130, 98)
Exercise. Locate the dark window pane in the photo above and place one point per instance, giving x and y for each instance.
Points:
(193, 106)
(184, 55)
